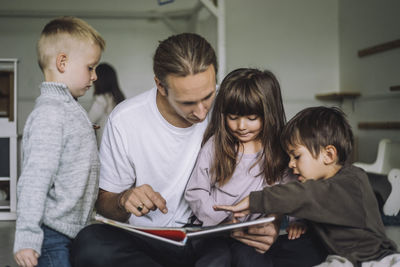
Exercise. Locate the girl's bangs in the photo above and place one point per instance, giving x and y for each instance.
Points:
(243, 102)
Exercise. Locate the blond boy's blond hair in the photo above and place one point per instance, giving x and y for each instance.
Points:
(58, 36)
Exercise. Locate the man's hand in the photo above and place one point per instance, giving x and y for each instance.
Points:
(141, 200)
(261, 237)
(26, 257)
(138, 201)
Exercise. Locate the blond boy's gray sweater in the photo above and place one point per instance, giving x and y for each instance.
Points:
(59, 180)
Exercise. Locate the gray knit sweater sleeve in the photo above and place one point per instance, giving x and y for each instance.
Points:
(59, 180)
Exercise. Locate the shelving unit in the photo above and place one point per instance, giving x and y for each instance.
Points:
(379, 48)
(339, 97)
(8, 138)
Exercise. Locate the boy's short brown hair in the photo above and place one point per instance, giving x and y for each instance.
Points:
(318, 127)
(56, 37)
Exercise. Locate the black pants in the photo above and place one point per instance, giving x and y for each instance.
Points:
(100, 245)
(305, 251)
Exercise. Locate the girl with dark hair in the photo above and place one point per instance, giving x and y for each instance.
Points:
(241, 150)
(106, 96)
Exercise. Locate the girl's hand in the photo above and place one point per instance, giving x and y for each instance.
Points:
(26, 257)
(296, 229)
(241, 209)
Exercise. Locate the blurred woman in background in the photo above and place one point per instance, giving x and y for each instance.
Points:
(106, 96)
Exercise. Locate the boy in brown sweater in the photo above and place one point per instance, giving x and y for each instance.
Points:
(334, 196)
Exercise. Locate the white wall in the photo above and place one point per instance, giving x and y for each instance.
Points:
(281, 35)
(130, 43)
(362, 24)
(310, 45)
(297, 40)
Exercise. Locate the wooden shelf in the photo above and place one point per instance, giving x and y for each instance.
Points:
(395, 88)
(379, 48)
(337, 96)
(382, 125)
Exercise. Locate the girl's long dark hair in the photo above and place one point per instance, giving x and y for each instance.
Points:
(245, 92)
(107, 82)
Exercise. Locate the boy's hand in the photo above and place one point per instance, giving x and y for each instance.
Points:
(239, 210)
(26, 257)
(296, 229)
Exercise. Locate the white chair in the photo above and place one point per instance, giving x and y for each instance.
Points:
(387, 163)
(388, 157)
(392, 204)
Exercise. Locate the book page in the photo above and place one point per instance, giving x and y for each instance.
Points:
(179, 235)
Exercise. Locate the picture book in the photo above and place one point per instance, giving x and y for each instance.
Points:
(180, 235)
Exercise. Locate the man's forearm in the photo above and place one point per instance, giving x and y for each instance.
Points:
(108, 206)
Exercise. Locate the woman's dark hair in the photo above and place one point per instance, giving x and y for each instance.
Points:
(107, 82)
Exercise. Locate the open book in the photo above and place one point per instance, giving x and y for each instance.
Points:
(179, 235)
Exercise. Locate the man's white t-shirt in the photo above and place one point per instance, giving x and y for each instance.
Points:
(140, 147)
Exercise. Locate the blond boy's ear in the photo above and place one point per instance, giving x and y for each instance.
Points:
(160, 86)
(330, 154)
(61, 62)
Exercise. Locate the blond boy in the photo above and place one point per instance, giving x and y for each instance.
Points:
(59, 180)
